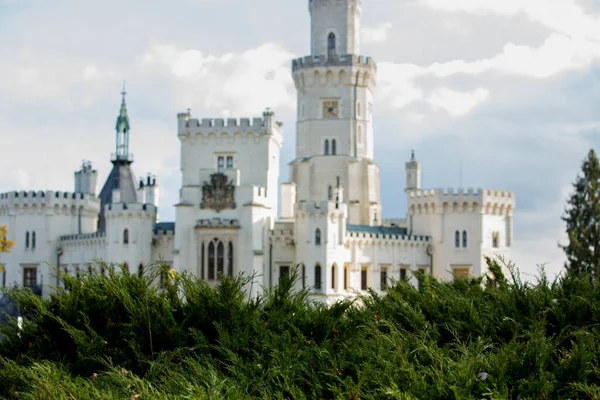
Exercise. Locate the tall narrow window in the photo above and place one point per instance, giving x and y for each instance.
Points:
(126, 236)
(30, 276)
(220, 164)
(326, 147)
(284, 271)
(202, 262)
(303, 276)
(495, 240)
(330, 193)
(383, 279)
(229, 162)
(220, 258)
(333, 147)
(464, 237)
(402, 274)
(230, 259)
(318, 237)
(457, 239)
(211, 261)
(333, 272)
(363, 279)
(27, 239)
(317, 276)
(33, 240)
(141, 270)
(331, 45)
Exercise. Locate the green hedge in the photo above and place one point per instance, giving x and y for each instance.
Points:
(119, 337)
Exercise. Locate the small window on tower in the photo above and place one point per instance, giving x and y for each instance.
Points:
(333, 147)
(229, 162)
(220, 164)
(331, 45)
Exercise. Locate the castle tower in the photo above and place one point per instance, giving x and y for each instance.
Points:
(413, 173)
(334, 131)
(120, 185)
(86, 179)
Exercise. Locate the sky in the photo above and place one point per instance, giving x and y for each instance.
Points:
(504, 91)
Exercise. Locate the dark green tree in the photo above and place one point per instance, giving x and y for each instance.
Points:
(583, 219)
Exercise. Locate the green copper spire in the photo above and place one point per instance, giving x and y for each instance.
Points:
(122, 128)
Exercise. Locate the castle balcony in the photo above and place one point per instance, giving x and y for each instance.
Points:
(337, 60)
(121, 157)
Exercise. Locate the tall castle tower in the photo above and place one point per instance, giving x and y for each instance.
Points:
(120, 186)
(335, 87)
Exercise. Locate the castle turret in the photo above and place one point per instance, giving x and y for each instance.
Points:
(335, 26)
(413, 174)
(86, 179)
(121, 179)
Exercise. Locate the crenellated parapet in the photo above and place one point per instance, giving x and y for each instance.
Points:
(400, 241)
(24, 202)
(335, 70)
(320, 209)
(486, 201)
(228, 128)
(316, 4)
(130, 210)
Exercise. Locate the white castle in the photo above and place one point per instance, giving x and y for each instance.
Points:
(227, 219)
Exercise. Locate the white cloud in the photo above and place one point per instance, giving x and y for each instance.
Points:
(378, 34)
(231, 83)
(457, 103)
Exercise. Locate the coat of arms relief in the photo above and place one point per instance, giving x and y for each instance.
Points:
(219, 194)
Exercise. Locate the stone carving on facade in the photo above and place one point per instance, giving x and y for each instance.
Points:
(218, 194)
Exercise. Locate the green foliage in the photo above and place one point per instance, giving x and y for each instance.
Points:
(583, 220)
(120, 337)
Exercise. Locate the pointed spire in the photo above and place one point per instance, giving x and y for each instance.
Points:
(123, 119)
(122, 127)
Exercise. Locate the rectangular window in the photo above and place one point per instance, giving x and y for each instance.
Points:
(220, 164)
(30, 276)
(461, 272)
(402, 274)
(363, 279)
(423, 270)
(318, 277)
(383, 279)
(284, 270)
(229, 162)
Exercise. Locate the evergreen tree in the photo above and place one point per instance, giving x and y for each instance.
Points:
(583, 219)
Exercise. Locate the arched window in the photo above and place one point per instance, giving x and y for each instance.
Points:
(141, 270)
(326, 147)
(27, 239)
(33, 240)
(331, 45)
(333, 147)
(464, 237)
(211, 261)
(220, 258)
(457, 239)
(126, 236)
(317, 276)
(318, 237)
(230, 259)
(330, 193)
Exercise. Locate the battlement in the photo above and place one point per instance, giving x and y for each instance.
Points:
(338, 60)
(488, 201)
(321, 207)
(386, 237)
(96, 236)
(218, 223)
(116, 210)
(49, 199)
(230, 126)
(149, 181)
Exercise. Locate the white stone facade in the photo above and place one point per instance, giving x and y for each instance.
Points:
(330, 222)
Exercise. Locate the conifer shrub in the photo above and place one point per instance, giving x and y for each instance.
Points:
(122, 336)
